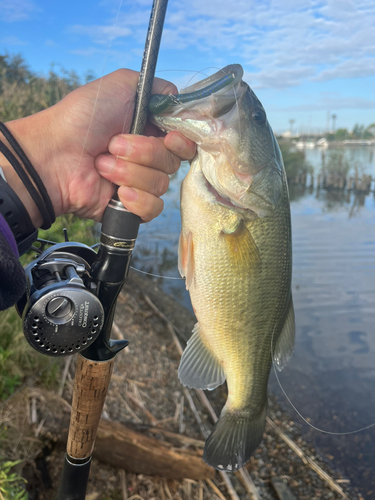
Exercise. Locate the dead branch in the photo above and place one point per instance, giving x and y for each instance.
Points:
(127, 449)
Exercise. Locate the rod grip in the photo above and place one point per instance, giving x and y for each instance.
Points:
(90, 389)
(119, 224)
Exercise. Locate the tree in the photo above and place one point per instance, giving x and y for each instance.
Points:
(23, 92)
(341, 134)
(358, 131)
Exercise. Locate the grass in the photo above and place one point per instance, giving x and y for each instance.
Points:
(337, 164)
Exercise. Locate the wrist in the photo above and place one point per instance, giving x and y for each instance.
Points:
(37, 137)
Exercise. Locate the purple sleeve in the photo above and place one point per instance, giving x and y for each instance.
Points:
(12, 275)
(5, 229)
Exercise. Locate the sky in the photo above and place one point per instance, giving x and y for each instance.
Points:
(305, 60)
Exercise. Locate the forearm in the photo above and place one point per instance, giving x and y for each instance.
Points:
(35, 134)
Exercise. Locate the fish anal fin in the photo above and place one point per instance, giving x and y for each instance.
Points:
(186, 258)
(199, 367)
(285, 343)
(242, 247)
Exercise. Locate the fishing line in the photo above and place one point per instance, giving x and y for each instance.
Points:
(100, 84)
(176, 278)
(323, 431)
(156, 275)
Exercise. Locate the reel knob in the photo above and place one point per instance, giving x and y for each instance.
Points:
(60, 308)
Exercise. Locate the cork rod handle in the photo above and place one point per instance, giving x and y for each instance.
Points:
(90, 389)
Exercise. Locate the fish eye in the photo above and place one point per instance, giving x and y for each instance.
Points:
(259, 116)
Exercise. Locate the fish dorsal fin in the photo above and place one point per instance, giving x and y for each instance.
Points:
(285, 343)
(242, 247)
(199, 367)
(186, 258)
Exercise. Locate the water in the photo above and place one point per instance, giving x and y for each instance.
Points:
(331, 376)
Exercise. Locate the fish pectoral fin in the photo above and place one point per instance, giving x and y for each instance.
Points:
(199, 367)
(186, 258)
(242, 247)
(285, 343)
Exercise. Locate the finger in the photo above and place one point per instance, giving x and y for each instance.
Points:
(161, 86)
(147, 151)
(145, 205)
(125, 173)
(177, 143)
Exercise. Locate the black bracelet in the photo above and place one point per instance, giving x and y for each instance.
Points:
(41, 198)
(17, 217)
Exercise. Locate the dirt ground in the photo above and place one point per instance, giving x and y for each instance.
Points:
(145, 389)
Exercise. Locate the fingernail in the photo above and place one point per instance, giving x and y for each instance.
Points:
(121, 146)
(177, 144)
(128, 193)
(106, 164)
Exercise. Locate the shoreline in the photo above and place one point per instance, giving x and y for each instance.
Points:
(147, 371)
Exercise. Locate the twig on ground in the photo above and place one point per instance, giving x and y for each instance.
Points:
(141, 405)
(307, 460)
(124, 489)
(117, 333)
(68, 361)
(215, 489)
(245, 478)
(177, 411)
(161, 489)
(195, 411)
(39, 428)
(187, 488)
(170, 326)
(229, 486)
(33, 410)
(129, 410)
(181, 425)
(166, 488)
(200, 496)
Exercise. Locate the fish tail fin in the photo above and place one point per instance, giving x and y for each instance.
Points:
(234, 439)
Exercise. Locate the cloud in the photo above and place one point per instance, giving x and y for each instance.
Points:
(325, 102)
(281, 43)
(102, 56)
(16, 10)
(101, 34)
(13, 41)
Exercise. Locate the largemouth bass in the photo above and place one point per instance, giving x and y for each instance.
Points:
(235, 253)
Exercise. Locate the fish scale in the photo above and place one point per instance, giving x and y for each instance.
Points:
(235, 252)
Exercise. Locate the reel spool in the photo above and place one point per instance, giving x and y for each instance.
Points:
(60, 311)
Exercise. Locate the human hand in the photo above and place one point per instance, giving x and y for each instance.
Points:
(80, 152)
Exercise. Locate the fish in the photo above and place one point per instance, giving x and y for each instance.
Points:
(235, 252)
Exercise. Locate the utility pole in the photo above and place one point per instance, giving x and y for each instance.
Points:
(334, 123)
(292, 122)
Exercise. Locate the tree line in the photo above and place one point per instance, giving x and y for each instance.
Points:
(24, 92)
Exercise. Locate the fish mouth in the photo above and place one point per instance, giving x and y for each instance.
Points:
(230, 75)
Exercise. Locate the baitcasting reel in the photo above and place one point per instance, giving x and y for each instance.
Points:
(60, 311)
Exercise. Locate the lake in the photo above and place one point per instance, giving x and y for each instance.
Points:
(331, 376)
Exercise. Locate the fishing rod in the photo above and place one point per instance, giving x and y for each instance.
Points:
(72, 292)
